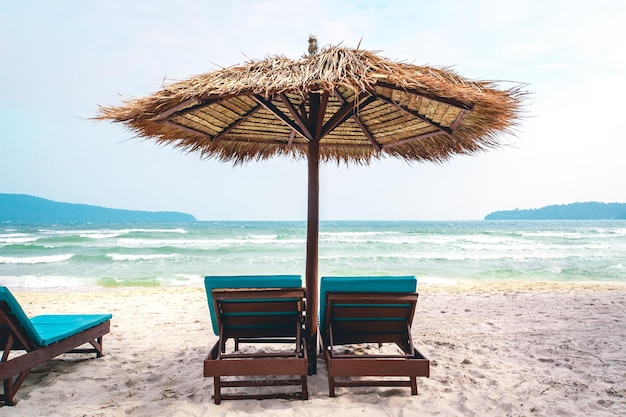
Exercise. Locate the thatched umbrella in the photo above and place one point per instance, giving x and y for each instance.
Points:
(338, 104)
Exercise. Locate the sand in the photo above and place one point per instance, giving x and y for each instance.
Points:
(495, 350)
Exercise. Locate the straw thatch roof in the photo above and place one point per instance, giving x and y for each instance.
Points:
(358, 105)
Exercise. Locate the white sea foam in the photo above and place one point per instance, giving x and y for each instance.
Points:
(415, 239)
(184, 280)
(11, 234)
(263, 237)
(205, 243)
(447, 255)
(100, 235)
(429, 280)
(156, 243)
(47, 282)
(35, 259)
(128, 257)
(554, 234)
(177, 230)
(18, 239)
(107, 233)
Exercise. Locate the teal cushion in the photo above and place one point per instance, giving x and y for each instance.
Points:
(55, 327)
(246, 281)
(47, 329)
(405, 284)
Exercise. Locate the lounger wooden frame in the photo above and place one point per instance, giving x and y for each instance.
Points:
(259, 316)
(15, 339)
(355, 318)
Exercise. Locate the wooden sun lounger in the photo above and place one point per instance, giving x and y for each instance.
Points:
(355, 317)
(42, 338)
(257, 316)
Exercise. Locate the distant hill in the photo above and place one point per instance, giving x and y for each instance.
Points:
(27, 208)
(574, 211)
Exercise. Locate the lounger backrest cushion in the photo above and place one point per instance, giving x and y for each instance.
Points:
(245, 281)
(373, 284)
(21, 317)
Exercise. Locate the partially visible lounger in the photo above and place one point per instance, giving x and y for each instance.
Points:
(377, 310)
(257, 309)
(43, 338)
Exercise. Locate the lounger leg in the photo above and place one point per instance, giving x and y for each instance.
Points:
(101, 350)
(97, 345)
(217, 396)
(413, 385)
(11, 387)
(305, 389)
(331, 386)
(8, 394)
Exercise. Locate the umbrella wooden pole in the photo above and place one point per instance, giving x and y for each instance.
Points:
(312, 254)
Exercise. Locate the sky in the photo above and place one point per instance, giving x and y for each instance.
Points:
(60, 60)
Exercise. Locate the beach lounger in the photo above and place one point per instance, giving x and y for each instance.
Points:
(42, 338)
(255, 310)
(370, 310)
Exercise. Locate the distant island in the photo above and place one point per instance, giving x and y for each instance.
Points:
(574, 211)
(27, 208)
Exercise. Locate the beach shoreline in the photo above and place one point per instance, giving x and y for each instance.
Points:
(495, 349)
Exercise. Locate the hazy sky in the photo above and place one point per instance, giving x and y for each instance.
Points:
(60, 59)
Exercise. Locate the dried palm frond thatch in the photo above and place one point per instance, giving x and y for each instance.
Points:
(358, 105)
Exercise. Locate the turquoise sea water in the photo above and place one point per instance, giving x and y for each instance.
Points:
(84, 255)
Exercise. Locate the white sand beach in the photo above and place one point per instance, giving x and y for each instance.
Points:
(495, 350)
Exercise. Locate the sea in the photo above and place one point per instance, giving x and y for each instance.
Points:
(88, 256)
